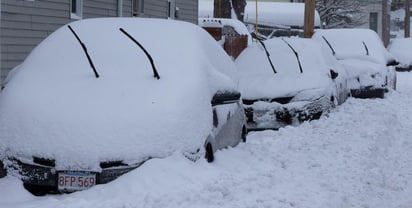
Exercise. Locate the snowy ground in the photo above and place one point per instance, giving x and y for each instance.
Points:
(359, 156)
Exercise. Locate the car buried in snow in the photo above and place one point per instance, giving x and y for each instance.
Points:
(400, 49)
(370, 67)
(99, 97)
(285, 81)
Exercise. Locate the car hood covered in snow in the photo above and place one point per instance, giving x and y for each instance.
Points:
(258, 80)
(54, 107)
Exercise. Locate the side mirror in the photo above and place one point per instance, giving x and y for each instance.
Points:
(392, 63)
(225, 97)
(333, 74)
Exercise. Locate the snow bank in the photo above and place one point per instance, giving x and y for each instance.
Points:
(257, 79)
(54, 107)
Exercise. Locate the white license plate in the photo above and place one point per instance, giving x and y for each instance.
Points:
(75, 181)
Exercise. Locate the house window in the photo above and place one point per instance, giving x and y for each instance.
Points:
(373, 21)
(137, 8)
(76, 9)
(172, 9)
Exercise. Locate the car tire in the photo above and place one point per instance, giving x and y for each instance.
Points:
(209, 155)
(244, 134)
(3, 171)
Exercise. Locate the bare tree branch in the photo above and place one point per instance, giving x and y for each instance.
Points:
(341, 13)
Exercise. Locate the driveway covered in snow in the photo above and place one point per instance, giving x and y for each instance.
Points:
(358, 156)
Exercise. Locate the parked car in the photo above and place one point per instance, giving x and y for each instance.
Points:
(370, 67)
(285, 81)
(400, 49)
(100, 97)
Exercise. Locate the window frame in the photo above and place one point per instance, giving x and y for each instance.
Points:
(137, 8)
(77, 11)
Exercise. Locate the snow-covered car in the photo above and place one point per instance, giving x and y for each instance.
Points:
(99, 97)
(370, 67)
(400, 48)
(286, 81)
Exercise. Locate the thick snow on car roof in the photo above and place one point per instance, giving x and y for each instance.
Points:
(54, 107)
(362, 44)
(257, 79)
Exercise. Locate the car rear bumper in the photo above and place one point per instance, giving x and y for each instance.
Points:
(404, 68)
(368, 93)
(46, 178)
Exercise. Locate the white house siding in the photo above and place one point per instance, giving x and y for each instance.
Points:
(373, 6)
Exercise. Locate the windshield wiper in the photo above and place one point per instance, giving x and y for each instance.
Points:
(155, 73)
(267, 52)
(330, 46)
(296, 54)
(366, 48)
(85, 51)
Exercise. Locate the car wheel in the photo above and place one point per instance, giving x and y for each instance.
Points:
(209, 153)
(3, 171)
(244, 134)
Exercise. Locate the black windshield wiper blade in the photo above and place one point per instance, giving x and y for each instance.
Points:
(330, 46)
(366, 48)
(155, 73)
(267, 52)
(85, 51)
(296, 54)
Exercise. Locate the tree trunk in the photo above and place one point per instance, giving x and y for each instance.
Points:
(385, 22)
(309, 22)
(217, 13)
(239, 7)
(407, 19)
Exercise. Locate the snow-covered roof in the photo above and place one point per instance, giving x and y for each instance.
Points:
(273, 14)
(257, 79)
(54, 107)
(210, 22)
(277, 14)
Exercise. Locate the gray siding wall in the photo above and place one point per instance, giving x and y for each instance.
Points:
(24, 24)
(188, 10)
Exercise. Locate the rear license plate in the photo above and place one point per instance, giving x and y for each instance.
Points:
(75, 181)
